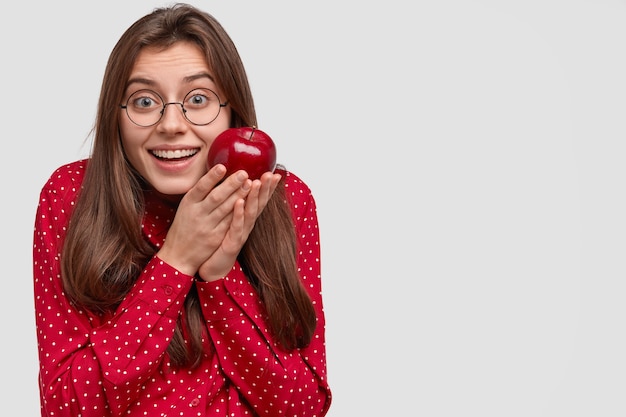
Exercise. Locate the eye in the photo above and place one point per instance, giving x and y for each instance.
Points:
(145, 100)
(200, 98)
(197, 100)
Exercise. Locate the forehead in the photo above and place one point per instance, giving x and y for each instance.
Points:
(181, 63)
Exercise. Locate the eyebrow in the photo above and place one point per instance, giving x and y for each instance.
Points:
(188, 79)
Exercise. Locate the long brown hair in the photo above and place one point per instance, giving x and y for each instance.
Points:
(104, 251)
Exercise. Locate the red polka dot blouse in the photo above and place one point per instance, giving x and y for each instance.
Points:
(117, 365)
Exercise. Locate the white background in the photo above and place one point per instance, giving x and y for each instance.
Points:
(467, 161)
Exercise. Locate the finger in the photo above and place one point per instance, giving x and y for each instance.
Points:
(236, 234)
(220, 202)
(252, 201)
(215, 236)
(266, 187)
(270, 185)
(206, 183)
(236, 183)
(259, 195)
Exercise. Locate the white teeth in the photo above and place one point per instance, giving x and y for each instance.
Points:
(178, 153)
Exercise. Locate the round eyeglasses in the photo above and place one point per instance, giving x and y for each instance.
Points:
(200, 107)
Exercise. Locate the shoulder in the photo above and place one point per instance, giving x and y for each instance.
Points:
(295, 188)
(66, 179)
(298, 194)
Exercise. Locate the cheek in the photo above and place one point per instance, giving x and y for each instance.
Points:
(132, 141)
(125, 133)
(218, 126)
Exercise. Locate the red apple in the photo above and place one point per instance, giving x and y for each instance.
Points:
(246, 148)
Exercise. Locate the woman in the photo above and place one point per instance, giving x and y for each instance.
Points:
(163, 287)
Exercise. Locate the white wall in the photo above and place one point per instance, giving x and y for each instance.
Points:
(467, 160)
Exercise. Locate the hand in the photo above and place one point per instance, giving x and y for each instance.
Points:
(203, 218)
(245, 213)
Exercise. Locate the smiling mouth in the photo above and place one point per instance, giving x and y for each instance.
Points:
(174, 154)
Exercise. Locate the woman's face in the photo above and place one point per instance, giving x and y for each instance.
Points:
(171, 154)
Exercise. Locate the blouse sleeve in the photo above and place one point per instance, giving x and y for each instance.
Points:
(274, 381)
(93, 365)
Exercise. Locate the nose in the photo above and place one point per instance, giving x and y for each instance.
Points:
(175, 119)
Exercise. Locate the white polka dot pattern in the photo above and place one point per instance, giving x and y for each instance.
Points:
(117, 365)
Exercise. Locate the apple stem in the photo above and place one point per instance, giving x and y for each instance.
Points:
(252, 133)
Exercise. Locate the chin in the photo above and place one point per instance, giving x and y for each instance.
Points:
(173, 188)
